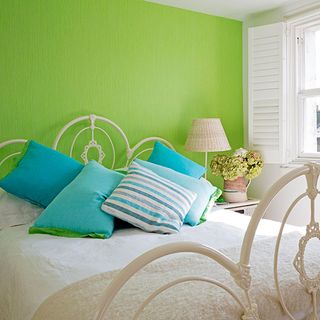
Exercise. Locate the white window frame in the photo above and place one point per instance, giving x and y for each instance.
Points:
(295, 91)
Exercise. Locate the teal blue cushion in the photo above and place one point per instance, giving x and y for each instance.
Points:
(203, 188)
(41, 174)
(169, 158)
(76, 211)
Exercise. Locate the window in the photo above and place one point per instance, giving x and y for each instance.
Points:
(308, 88)
(284, 90)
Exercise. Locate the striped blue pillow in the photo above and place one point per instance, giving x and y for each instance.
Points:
(149, 201)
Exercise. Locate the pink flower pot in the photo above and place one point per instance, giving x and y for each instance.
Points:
(235, 190)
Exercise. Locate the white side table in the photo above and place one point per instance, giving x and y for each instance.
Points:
(246, 207)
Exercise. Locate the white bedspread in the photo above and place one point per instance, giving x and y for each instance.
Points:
(33, 267)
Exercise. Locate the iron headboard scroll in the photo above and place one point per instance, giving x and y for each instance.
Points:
(11, 155)
(93, 127)
(93, 142)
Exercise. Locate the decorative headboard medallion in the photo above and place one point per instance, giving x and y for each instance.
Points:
(94, 124)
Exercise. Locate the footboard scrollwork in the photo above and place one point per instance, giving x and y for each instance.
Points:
(240, 273)
(243, 280)
(311, 284)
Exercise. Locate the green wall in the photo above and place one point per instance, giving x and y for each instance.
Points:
(149, 68)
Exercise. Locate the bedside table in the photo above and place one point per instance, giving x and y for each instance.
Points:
(246, 207)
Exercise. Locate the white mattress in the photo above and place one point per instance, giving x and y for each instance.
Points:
(33, 267)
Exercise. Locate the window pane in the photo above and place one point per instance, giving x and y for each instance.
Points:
(312, 58)
(311, 128)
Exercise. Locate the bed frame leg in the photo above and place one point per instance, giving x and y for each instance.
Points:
(243, 280)
(251, 313)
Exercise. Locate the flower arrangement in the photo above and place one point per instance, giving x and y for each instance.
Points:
(242, 163)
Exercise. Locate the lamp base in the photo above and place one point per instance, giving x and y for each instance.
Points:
(206, 164)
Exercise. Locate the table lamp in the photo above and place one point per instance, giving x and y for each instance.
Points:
(207, 135)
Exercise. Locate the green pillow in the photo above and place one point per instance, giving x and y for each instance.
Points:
(214, 197)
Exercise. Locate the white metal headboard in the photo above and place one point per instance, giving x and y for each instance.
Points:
(92, 125)
(11, 155)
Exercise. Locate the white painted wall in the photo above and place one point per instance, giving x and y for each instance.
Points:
(234, 9)
(273, 172)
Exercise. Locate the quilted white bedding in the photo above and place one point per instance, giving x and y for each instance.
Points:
(34, 267)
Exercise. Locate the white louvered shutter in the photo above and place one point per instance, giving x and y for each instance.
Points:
(266, 84)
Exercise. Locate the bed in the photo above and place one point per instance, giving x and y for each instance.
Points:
(214, 270)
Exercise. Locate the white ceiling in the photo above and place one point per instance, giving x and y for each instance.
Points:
(236, 9)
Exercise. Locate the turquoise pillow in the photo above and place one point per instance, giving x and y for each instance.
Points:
(41, 174)
(76, 211)
(203, 188)
(169, 158)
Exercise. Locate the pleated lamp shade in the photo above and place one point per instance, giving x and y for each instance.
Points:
(207, 135)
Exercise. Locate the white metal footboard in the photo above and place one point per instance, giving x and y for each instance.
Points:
(240, 274)
(240, 271)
